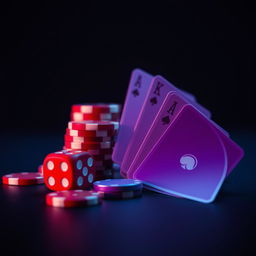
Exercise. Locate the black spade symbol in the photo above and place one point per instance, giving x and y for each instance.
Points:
(135, 93)
(166, 120)
(153, 100)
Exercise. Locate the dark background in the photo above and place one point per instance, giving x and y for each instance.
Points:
(52, 56)
(55, 55)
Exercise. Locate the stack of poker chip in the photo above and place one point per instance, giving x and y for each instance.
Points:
(97, 138)
(96, 112)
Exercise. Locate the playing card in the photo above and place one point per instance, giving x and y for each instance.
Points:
(155, 97)
(137, 90)
(189, 159)
(170, 108)
(163, 120)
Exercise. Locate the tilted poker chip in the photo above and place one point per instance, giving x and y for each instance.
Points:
(93, 134)
(77, 116)
(96, 108)
(93, 125)
(120, 194)
(89, 145)
(23, 178)
(82, 139)
(72, 198)
(116, 185)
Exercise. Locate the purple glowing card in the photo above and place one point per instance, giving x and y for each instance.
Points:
(189, 160)
(137, 91)
(170, 108)
(153, 101)
(136, 94)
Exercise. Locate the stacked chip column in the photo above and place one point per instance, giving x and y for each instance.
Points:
(97, 138)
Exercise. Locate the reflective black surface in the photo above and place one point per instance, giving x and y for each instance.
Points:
(152, 225)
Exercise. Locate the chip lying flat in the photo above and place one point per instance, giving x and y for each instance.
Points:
(23, 178)
(72, 198)
(117, 185)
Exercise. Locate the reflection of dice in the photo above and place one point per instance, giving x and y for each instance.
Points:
(65, 170)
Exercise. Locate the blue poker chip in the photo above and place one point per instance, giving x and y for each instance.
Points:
(116, 185)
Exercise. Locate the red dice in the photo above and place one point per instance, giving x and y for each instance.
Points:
(66, 170)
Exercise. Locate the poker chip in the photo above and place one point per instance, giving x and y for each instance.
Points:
(89, 145)
(23, 178)
(115, 185)
(120, 194)
(100, 152)
(83, 139)
(77, 116)
(89, 134)
(40, 169)
(93, 125)
(96, 108)
(72, 198)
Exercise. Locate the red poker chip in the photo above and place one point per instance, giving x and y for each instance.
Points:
(100, 152)
(89, 145)
(89, 134)
(72, 198)
(77, 116)
(23, 178)
(93, 125)
(97, 108)
(94, 152)
(81, 139)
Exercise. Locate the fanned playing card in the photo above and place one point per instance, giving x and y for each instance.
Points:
(189, 160)
(157, 92)
(168, 141)
(170, 108)
(139, 86)
(137, 90)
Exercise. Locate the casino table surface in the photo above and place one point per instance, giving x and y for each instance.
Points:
(154, 224)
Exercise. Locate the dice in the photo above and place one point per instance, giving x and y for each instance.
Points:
(68, 170)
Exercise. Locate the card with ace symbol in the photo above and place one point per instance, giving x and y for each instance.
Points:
(139, 86)
(171, 108)
(191, 158)
(157, 92)
(137, 90)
